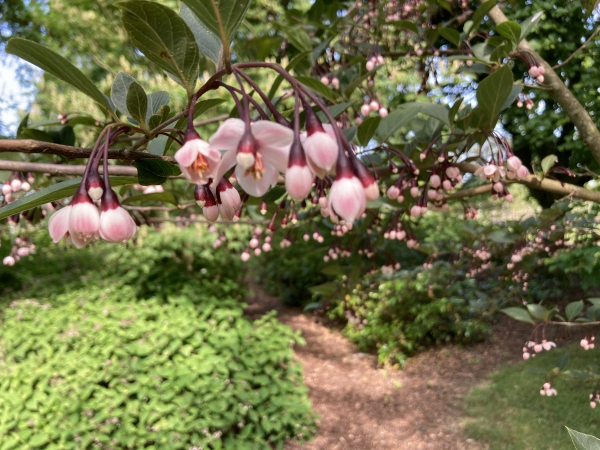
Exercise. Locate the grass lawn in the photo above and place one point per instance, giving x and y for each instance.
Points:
(508, 412)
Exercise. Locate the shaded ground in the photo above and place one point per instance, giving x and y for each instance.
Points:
(362, 407)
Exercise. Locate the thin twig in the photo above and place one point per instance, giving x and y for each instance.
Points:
(584, 45)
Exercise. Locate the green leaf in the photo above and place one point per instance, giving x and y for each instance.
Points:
(208, 43)
(154, 171)
(451, 35)
(480, 14)
(335, 110)
(367, 129)
(358, 81)
(492, 92)
(159, 117)
(518, 314)
(318, 87)
(158, 144)
(222, 17)
(156, 101)
(164, 197)
(164, 38)
(528, 25)
(583, 441)
(562, 361)
(299, 39)
(23, 132)
(453, 110)
(548, 162)
(118, 91)
(510, 30)
(410, 26)
(573, 309)
(274, 194)
(394, 121)
(594, 300)
(58, 66)
(349, 132)
(324, 289)
(514, 93)
(52, 193)
(536, 310)
(137, 103)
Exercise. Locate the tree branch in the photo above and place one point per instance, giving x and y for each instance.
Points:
(46, 148)
(62, 169)
(584, 45)
(561, 93)
(546, 184)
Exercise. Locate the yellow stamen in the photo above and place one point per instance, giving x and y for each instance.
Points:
(257, 169)
(200, 165)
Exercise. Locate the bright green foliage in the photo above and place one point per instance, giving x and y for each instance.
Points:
(509, 412)
(414, 309)
(159, 355)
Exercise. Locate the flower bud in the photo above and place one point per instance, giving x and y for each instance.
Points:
(374, 105)
(365, 110)
(383, 112)
(335, 83)
(435, 181)
(325, 80)
(6, 189)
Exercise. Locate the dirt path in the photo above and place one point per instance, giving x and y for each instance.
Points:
(362, 407)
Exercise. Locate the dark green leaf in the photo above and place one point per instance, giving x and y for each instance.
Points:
(153, 171)
(536, 310)
(491, 95)
(318, 87)
(324, 289)
(164, 38)
(299, 39)
(480, 14)
(56, 65)
(367, 129)
(583, 441)
(406, 25)
(510, 30)
(118, 91)
(562, 361)
(335, 110)
(159, 117)
(518, 314)
(208, 43)
(394, 121)
(275, 194)
(573, 309)
(137, 103)
(52, 193)
(450, 35)
(514, 93)
(349, 132)
(453, 110)
(358, 81)
(221, 17)
(158, 144)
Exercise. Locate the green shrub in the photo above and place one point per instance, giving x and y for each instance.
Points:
(107, 366)
(414, 309)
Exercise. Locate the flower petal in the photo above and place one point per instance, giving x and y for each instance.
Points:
(271, 134)
(228, 135)
(227, 162)
(256, 188)
(59, 223)
(188, 153)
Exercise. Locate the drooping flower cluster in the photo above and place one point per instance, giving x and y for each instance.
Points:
(548, 390)
(537, 347)
(587, 344)
(16, 182)
(22, 247)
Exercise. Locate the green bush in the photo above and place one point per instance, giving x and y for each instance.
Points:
(414, 309)
(106, 365)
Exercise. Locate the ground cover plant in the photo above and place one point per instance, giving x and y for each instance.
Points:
(115, 363)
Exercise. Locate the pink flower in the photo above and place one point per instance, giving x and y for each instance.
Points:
(522, 172)
(320, 145)
(383, 112)
(347, 197)
(365, 177)
(25, 186)
(58, 226)
(538, 348)
(245, 256)
(116, 225)
(435, 181)
(258, 172)
(8, 261)
(23, 251)
(15, 185)
(298, 181)
(84, 220)
(526, 356)
(393, 192)
(365, 109)
(6, 189)
(228, 195)
(197, 160)
(513, 163)
(548, 345)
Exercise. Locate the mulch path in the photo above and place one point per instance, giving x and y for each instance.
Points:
(365, 407)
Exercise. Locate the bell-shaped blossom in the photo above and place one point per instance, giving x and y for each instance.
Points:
(206, 199)
(197, 159)
(320, 144)
(116, 225)
(58, 226)
(298, 176)
(347, 197)
(8, 261)
(548, 345)
(15, 185)
(435, 181)
(6, 189)
(368, 181)
(513, 163)
(522, 172)
(227, 195)
(84, 219)
(272, 146)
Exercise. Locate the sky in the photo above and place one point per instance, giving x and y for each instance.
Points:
(13, 96)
